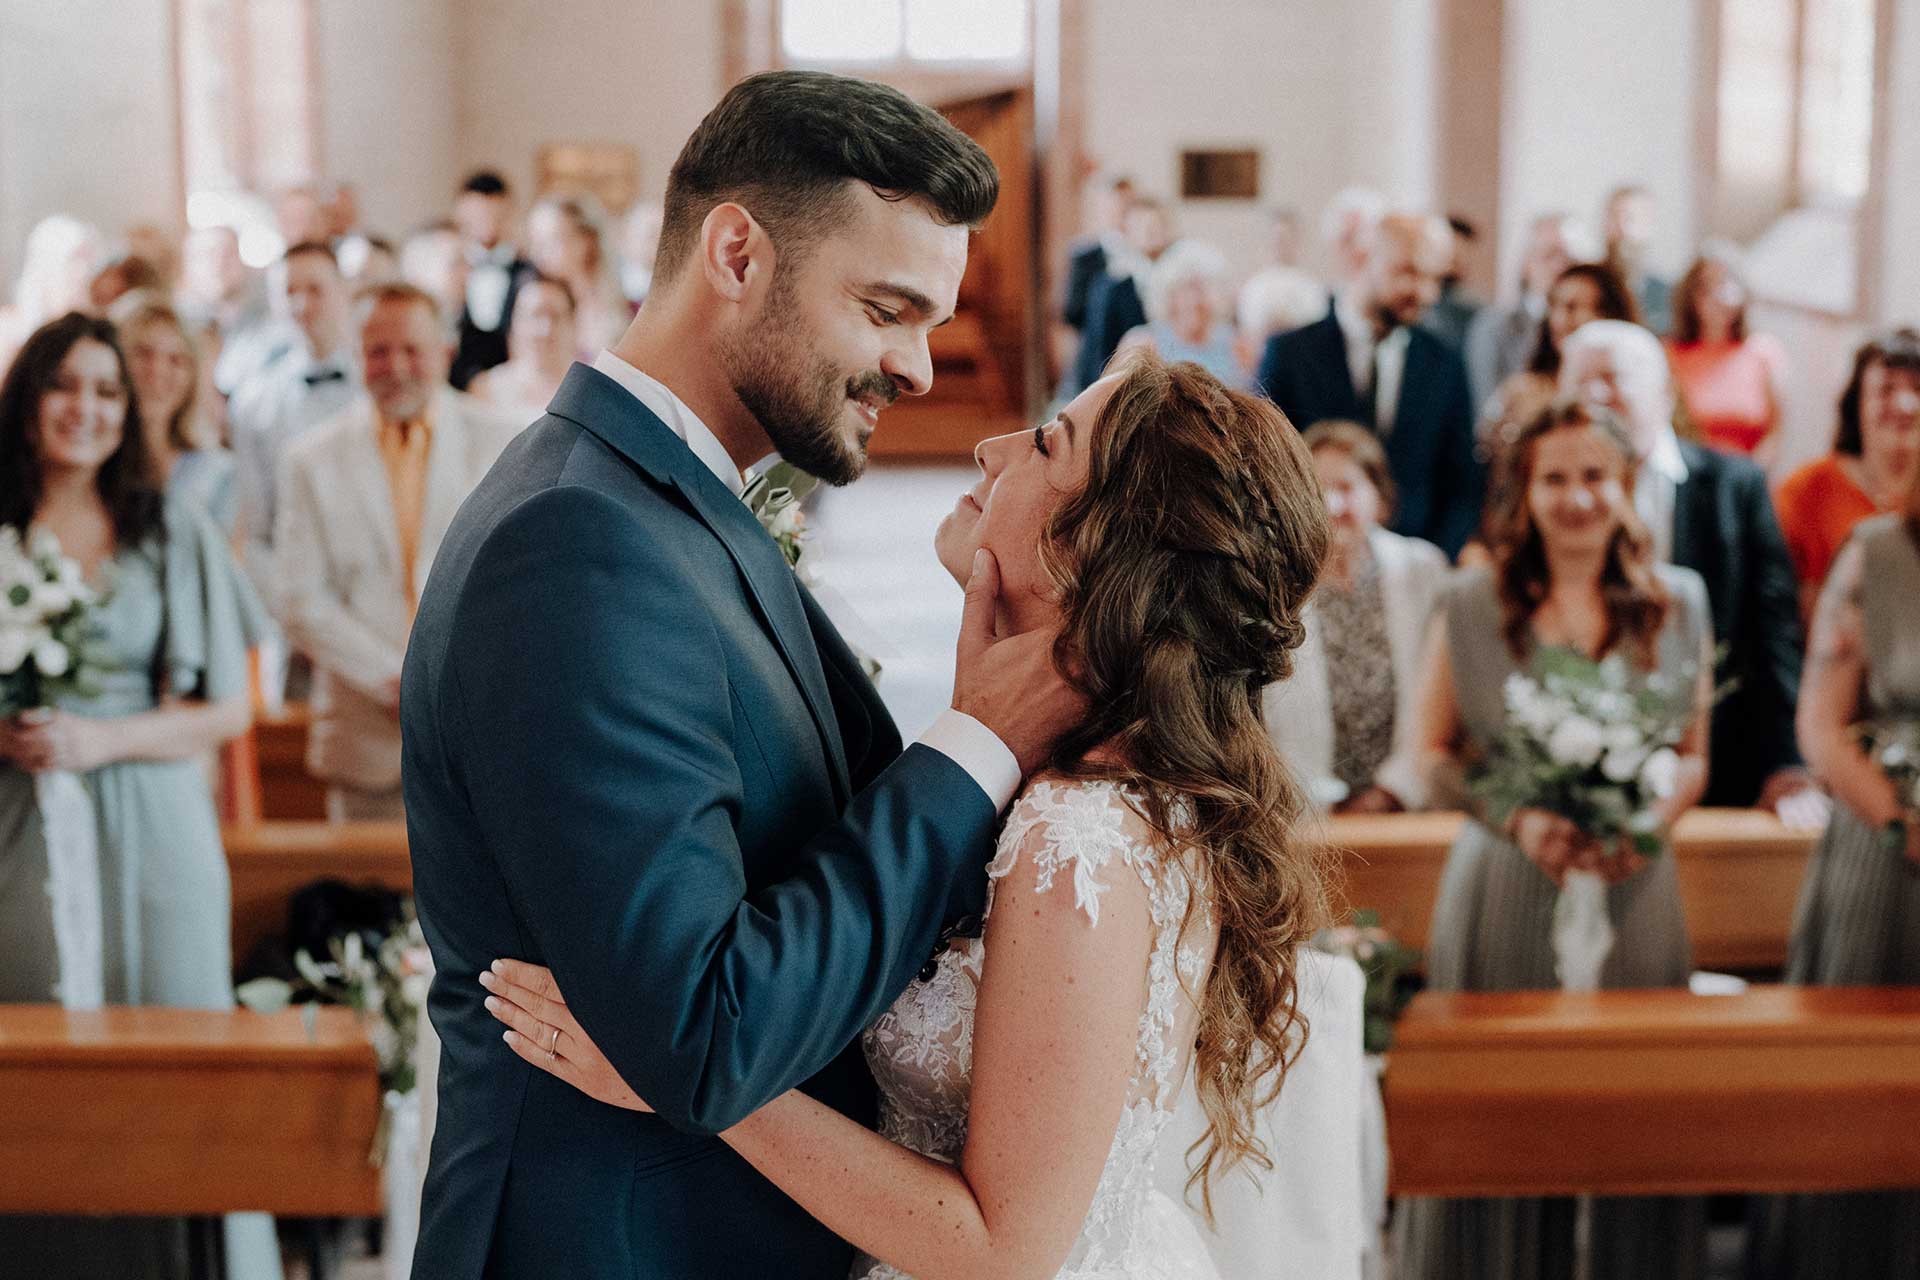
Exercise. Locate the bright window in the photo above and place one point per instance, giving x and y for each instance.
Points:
(887, 31)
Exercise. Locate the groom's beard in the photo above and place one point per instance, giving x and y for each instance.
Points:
(800, 399)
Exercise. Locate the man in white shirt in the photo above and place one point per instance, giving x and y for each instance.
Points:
(484, 213)
(637, 751)
(302, 388)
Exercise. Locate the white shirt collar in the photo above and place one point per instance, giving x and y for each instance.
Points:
(680, 420)
(1666, 459)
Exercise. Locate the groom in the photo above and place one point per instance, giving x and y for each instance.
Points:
(637, 752)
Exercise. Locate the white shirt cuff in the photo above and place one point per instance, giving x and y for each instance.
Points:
(977, 749)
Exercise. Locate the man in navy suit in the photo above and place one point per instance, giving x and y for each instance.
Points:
(636, 751)
(1368, 362)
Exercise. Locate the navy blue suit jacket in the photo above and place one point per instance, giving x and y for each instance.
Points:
(1430, 449)
(636, 752)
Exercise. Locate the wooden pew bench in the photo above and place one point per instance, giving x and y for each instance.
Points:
(268, 862)
(184, 1112)
(1740, 872)
(1655, 1092)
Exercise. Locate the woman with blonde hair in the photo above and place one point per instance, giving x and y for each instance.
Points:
(183, 449)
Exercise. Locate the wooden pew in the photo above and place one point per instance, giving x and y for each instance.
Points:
(288, 793)
(269, 861)
(1740, 872)
(184, 1112)
(1655, 1092)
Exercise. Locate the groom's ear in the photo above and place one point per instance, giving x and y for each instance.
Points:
(735, 251)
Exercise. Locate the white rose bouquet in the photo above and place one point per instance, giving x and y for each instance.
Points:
(1583, 741)
(48, 629)
(47, 624)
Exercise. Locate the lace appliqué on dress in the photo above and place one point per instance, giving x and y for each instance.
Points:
(921, 1050)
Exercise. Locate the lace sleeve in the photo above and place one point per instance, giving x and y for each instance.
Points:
(1080, 831)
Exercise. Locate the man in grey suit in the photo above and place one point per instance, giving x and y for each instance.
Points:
(636, 751)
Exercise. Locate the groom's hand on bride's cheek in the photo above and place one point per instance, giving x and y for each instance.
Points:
(1009, 683)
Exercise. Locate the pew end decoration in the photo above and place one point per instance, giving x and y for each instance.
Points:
(49, 633)
(1584, 741)
(1385, 960)
(1894, 747)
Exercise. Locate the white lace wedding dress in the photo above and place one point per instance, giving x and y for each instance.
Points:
(921, 1050)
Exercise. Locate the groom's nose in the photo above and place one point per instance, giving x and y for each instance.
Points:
(910, 365)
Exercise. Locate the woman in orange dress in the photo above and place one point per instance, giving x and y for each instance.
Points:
(1729, 379)
(1874, 463)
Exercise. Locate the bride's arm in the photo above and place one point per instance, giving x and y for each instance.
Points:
(1055, 1027)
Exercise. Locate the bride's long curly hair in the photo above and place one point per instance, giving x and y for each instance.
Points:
(1183, 568)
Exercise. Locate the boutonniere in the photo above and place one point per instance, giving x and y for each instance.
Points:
(774, 496)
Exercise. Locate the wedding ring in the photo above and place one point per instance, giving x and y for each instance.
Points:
(553, 1045)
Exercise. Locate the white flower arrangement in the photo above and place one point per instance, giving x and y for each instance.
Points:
(47, 622)
(1583, 742)
(774, 496)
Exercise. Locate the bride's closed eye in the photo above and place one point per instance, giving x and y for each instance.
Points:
(1040, 440)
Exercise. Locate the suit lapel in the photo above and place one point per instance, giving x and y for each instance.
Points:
(600, 405)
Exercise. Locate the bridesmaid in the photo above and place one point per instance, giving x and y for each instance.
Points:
(1572, 569)
(183, 448)
(172, 685)
(1859, 918)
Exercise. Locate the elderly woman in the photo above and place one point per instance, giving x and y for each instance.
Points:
(1710, 512)
(1188, 313)
(1874, 465)
(1345, 719)
(1729, 379)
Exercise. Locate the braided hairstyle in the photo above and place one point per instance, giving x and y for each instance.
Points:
(1184, 566)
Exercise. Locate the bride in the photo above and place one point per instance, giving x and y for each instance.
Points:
(1149, 888)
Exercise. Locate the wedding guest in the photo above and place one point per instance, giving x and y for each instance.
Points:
(1711, 513)
(1087, 257)
(565, 241)
(126, 274)
(483, 211)
(1345, 720)
(544, 342)
(168, 682)
(1573, 570)
(1873, 468)
(1502, 339)
(226, 303)
(407, 451)
(186, 458)
(155, 244)
(1730, 380)
(1187, 298)
(1858, 924)
(1581, 292)
(1367, 361)
(302, 215)
(290, 397)
(1281, 295)
(1453, 311)
(62, 254)
(433, 261)
(1629, 223)
(1346, 233)
(1116, 300)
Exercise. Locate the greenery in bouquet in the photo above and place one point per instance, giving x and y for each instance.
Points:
(1584, 739)
(49, 633)
(384, 978)
(1385, 961)
(1894, 747)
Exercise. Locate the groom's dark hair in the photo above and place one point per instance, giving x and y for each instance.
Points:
(784, 144)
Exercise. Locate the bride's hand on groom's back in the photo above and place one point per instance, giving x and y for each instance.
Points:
(1008, 682)
(542, 1030)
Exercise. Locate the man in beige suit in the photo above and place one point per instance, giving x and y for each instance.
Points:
(364, 502)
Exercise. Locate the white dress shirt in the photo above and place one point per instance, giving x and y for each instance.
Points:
(954, 734)
(284, 401)
(1364, 356)
(489, 277)
(1656, 489)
